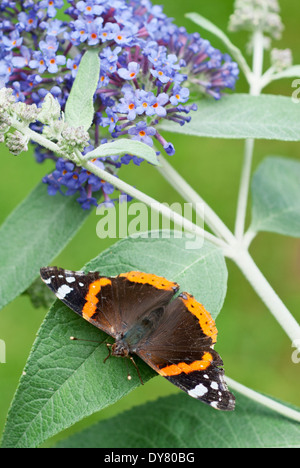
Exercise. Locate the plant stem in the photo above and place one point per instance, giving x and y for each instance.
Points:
(200, 206)
(268, 402)
(154, 204)
(264, 290)
(255, 90)
(244, 190)
(34, 136)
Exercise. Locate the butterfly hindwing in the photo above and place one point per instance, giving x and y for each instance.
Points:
(181, 350)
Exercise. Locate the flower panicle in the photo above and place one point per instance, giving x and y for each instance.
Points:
(149, 70)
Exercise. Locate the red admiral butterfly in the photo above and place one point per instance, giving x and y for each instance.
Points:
(174, 337)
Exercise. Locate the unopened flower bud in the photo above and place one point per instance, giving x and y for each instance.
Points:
(73, 138)
(27, 113)
(253, 15)
(16, 142)
(281, 59)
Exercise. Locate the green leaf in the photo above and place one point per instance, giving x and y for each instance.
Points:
(122, 147)
(66, 380)
(212, 28)
(79, 110)
(243, 116)
(34, 233)
(276, 197)
(186, 423)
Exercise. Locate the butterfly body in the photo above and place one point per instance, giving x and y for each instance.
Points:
(173, 335)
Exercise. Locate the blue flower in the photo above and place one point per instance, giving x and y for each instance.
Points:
(142, 132)
(21, 61)
(86, 201)
(73, 65)
(89, 8)
(111, 120)
(38, 62)
(131, 72)
(148, 65)
(13, 40)
(51, 6)
(179, 95)
(94, 31)
(128, 104)
(28, 21)
(49, 45)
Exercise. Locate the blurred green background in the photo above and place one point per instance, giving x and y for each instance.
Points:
(255, 350)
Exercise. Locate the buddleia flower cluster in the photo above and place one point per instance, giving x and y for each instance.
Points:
(253, 15)
(150, 68)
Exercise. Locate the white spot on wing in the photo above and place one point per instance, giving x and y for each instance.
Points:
(198, 391)
(70, 279)
(214, 385)
(63, 291)
(214, 404)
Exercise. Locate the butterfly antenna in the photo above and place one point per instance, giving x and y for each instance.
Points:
(73, 338)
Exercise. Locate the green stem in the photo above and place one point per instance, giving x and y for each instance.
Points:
(149, 201)
(201, 207)
(255, 90)
(263, 400)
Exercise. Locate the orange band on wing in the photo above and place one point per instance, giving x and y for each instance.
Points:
(90, 306)
(206, 321)
(176, 369)
(146, 278)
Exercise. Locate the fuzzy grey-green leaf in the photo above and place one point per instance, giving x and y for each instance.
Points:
(122, 147)
(66, 380)
(79, 111)
(276, 197)
(35, 233)
(186, 424)
(241, 116)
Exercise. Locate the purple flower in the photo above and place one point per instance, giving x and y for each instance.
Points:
(86, 201)
(28, 21)
(111, 120)
(51, 6)
(131, 72)
(21, 61)
(54, 28)
(158, 104)
(163, 74)
(94, 31)
(147, 67)
(38, 62)
(128, 104)
(89, 8)
(49, 46)
(13, 40)
(179, 95)
(142, 133)
(109, 31)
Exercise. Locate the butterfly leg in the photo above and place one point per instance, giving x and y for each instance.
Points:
(137, 369)
(108, 345)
